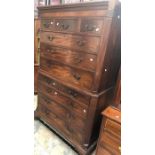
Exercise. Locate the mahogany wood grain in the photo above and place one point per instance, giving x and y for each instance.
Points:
(90, 25)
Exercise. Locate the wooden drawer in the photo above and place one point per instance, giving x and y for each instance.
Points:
(113, 127)
(52, 94)
(91, 26)
(76, 77)
(70, 57)
(47, 24)
(110, 143)
(67, 91)
(69, 25)
(83, 43)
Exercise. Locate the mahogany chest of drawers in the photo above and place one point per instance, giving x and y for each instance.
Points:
(109, 142)
(79, 62)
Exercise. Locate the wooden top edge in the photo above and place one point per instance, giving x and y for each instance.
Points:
(75, 5)
(112, 113)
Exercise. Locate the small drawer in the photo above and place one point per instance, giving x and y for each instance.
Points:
(47, 24)
(91, 26)
(70, 57)
(76, 77)
(69, 92)
(77, 42)
(113, 127)
(111, 143)
(69, 25)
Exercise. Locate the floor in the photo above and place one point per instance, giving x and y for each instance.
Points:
(47, 142)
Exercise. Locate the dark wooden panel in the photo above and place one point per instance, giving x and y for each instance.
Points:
(47, 24)
(66, 25)
(90, 25)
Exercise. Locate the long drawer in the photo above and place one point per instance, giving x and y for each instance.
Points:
(76, 77)
(70, 57)
(78, 42)
(74, 95)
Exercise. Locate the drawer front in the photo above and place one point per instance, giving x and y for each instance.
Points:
(70, 57)
(69, 92)
(47, 24)
(113, 127)
(62, 100)
(91, 26)
(69, 25)
(87, 44)
(111, 143)
(74, 76)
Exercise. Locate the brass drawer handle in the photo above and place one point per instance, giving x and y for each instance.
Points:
(76, 76)
(81, 43)
(78, 60)
(50, 38)
(90, 27)
(48, 90)
(48, 81)
(64, 26)
(47, 100)
(72, 93)
(46, 25)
